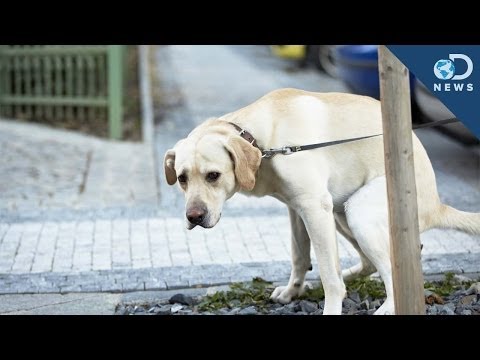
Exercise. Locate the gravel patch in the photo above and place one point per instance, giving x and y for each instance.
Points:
(465, 300)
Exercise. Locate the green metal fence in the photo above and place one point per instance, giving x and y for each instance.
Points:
(63, 81)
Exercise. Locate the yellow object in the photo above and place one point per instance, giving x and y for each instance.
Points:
(290, 51)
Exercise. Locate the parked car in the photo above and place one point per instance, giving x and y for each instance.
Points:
(320, 55)
(357, 67)
(432, 109)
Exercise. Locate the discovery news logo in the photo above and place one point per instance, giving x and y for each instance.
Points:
(445, 70)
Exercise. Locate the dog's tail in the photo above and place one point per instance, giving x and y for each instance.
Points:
(451, 218)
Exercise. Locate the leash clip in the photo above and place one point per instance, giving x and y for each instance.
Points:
(288, 150)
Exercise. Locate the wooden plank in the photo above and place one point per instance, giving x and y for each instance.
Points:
(8, 86)
(38, 88)
(90, 85)
(115, 91)
(59, 113)
(47, 77)
(60, 50)
(51, 100)
(401, 188)
(18, 90)
(102, 83)
(80, 84)
(69, 85)
(27, 77)
(3, 83)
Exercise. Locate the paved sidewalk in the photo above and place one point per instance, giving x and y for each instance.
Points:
(79, 214)
(53, 174)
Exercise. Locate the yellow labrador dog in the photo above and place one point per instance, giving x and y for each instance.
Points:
(339, 187)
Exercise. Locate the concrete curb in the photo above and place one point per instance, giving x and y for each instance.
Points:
(181, 277)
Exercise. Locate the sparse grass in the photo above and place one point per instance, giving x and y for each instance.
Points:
(257, 292)
(447, 286)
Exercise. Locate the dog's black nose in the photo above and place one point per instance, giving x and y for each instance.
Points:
(196, 214)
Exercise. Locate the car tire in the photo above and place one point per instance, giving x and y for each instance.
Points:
(322, 58)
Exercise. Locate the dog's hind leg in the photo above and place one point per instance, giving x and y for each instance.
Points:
(365, 266)
(367, 217)
(301, 262)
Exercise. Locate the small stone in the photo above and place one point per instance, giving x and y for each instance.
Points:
(469, 299)
(276, 306)
(185, 312)
(474, 289)
(318, 312)
(451, 306)
(301, 313)
(466, 312)
(291, 307)
(284, 310)
(365, 305)
(349, 304)
(432, 298)
(459, 309)
(248, 311)
(355, 296)
(175, 308)
(163, 310)
(296, 306)
(308, 306)
(138, 309)
(447, 311)
(122, 310)
(223, 311)
(432, 310)
(235, 311)
(353, 310)
(375, 304)
(182, 299)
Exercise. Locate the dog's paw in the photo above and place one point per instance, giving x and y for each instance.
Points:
(285, 294)
(282, 295)
(387, 308)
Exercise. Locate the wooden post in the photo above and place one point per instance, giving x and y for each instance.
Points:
(401, 187)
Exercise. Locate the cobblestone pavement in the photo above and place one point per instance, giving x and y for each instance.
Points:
(82, 214)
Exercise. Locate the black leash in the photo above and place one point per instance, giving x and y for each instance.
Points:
(287, 150)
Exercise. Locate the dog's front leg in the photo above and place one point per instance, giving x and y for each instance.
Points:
(301, 262)
(317, 214)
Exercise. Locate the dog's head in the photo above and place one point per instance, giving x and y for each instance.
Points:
(210, 165)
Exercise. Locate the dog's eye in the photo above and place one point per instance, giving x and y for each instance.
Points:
(213, 176)
(182, 179)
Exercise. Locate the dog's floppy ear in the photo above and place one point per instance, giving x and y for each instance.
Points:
(246, 160)
(169, 165)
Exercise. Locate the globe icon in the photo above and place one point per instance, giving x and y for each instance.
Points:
(444, 69)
